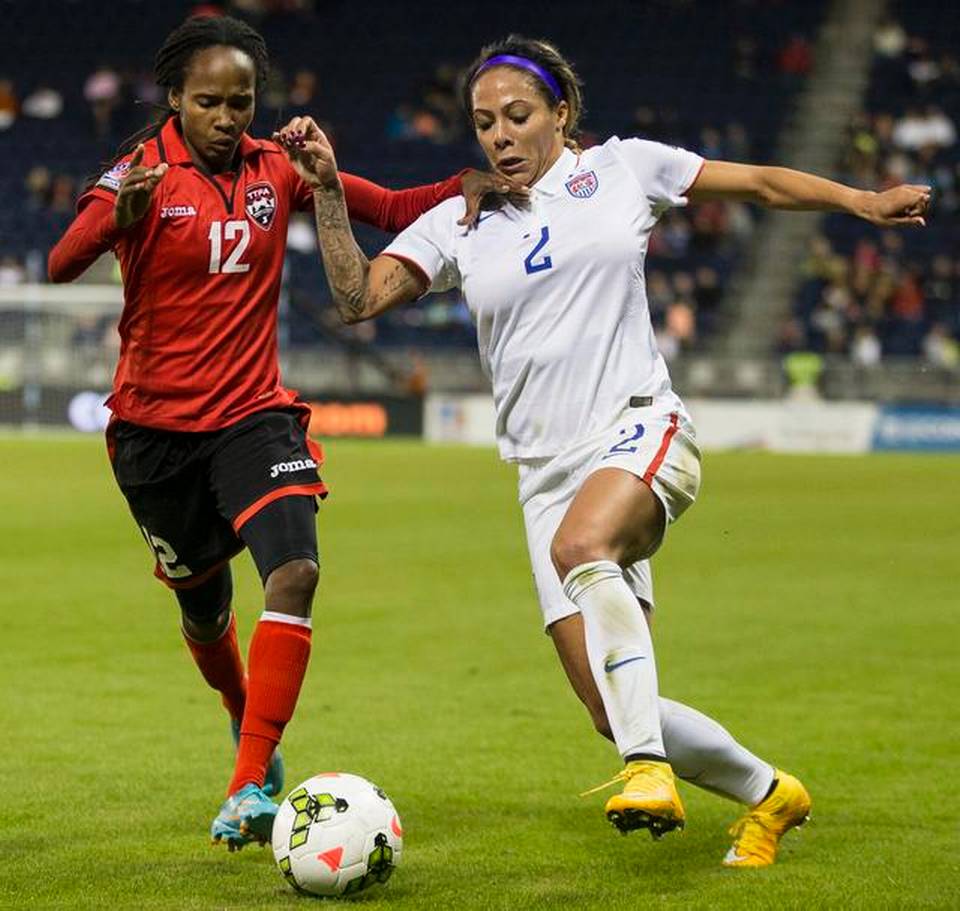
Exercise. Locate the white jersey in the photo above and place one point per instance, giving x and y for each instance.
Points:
(557, 290)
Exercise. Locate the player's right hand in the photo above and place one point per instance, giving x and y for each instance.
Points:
(133, 197)
(310, 152)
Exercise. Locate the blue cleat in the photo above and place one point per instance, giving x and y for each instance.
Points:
(244, 817)
(273, 782)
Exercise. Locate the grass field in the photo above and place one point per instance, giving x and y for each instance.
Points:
(811, 604)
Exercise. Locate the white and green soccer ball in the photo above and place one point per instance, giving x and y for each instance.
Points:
(336, 834)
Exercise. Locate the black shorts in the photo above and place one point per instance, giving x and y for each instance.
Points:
(191, 493)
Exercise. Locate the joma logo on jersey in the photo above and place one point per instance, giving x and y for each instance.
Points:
(286, 467)
(177, 211)
(261, 203)
(583, 186)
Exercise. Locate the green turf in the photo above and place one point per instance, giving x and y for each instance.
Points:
(809, 603)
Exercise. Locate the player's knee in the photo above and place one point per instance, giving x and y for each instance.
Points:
(571, 549)
(291, 586)
(206, 607)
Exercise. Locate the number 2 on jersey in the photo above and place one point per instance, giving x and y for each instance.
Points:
(545, 263)
(221, 231)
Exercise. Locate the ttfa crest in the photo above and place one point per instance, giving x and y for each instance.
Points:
(261, 203)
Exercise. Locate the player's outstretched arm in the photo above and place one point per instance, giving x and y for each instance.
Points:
(361, 289)
(784, 188)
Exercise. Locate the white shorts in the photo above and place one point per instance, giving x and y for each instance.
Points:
(659, 448)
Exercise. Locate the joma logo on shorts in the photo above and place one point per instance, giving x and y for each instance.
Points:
(286, 467)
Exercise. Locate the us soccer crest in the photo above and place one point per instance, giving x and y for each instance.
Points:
(261, 203)
(583, 186)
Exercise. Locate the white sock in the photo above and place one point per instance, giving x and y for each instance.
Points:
(620, 652)
(705, 754)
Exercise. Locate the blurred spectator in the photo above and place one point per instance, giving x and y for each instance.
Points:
(102, 91)
(302, 234)
(746, 51)
(436, 116)
(660, 124)
(889, 40)
(737, 143)
(12, 272)
(43, 103)
(796, 58)
(711, 144)
(865, 349)
(62, 194)
(941, 291)
(8, 104)
(146, 90)
(924, 127)
(940, 348)
(707, 295)
(671, 237)
(681, 322)
(922, 68)
(659, 294)
(791, 337)
(275, 92)
(303, 89)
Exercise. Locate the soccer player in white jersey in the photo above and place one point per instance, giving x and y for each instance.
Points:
(607, 454)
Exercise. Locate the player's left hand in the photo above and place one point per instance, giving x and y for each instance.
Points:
(310, 152)
(903, 205)
(479, 184)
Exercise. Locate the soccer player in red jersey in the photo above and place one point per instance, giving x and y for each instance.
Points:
(207, 445)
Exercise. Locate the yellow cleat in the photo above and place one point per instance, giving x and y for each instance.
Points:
(757, 835)
(649, 799)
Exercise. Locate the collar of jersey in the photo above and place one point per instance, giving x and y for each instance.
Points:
(173, 150)
(552, 182)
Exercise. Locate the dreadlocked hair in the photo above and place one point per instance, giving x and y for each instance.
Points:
(172, 62)
(545, 55)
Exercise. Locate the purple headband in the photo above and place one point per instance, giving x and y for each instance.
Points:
(524, 64)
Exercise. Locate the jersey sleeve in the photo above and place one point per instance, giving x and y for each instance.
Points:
(394, 210)
(665, 173)
(302, 195)
(429, 244)
(108, 184)
(91, 234)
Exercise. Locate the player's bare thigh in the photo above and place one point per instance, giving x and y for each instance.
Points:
(614, 516)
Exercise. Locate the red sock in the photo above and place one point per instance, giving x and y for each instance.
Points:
(279, 652)
(222, 667)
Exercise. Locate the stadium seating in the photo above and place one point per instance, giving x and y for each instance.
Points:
(872, 293)
(725, 95)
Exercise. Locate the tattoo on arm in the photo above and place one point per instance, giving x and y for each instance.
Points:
(345, 263)
(361, 289)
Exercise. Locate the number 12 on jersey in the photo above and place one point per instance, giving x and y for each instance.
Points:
(221, 231)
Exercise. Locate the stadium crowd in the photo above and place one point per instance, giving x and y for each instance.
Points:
(869, 294)
(64, 122)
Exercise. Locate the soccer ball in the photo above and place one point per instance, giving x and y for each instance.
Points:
(336, 834)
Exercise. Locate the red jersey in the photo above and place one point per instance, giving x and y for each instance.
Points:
(201, 277)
